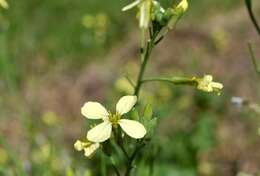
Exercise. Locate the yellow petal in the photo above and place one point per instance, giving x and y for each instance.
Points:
(130, 6)
(94, 110)
(132, 128)
(125, 104)
(100, 133)
(91, 149)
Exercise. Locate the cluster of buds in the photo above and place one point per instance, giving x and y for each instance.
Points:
(150, 11)
(207, 84)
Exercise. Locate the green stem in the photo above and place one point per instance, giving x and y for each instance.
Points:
(145, 55)
(251, 15)
(124, 151)
(120, 143)
(130, 81)
(114, 166)
(250, 48)
(144, 59)
(131, 159)
(172, 80)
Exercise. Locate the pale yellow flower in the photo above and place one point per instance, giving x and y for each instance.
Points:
(145, 7)
(88, 147)
(4, 4)
(102, 132)
(208, 85)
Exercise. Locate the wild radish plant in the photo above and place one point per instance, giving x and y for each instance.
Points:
(115, 130)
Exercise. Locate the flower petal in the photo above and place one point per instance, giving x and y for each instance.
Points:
(125, 104)
(130, 6)
(217, 85)
(100, 133)
(208, 78)
(94, 110)
(91, 149)
(145, 10)
(133, 128)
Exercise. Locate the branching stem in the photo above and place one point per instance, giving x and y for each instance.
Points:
(145, 55)
(114, 166)
(132, 157)
(251, 15)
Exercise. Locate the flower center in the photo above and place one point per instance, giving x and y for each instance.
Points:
(113, 118)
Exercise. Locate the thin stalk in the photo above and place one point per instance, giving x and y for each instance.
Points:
(250, 48)
(172, 80)
(251, 15)
(103, 169)
(130, 81)
(145, 55)
(124, 151)
(120, 143)
(114, 166)
(144, 59)
(131, 159)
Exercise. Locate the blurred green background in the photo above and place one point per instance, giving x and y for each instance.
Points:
(56, 55)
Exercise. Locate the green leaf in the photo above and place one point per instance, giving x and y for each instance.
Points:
(148, 111)
(151, 126)
(135, 115)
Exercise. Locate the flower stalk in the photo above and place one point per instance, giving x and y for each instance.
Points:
(253, 58)
(145, 55)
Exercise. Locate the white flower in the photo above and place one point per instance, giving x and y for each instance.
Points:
(4, 4)
(102, 132)
(145, 7)
(208, 85)
(88, 147)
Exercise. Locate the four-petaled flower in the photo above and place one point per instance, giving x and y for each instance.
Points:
(102, 132)
(88, 147)
(208, 85)
(145, 7)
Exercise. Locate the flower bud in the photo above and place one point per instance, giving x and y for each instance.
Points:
(177, 12)
(208, 85)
